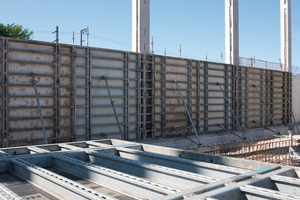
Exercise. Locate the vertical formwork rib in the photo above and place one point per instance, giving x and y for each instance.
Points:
(127, 96)
(139, 104)
(235, 91)
(264, 94)
(163, 96)
(144, 97)
(57, 92)
(4, 96)
(206, 96)
(198, 78)
(74, 105)
(153, 99)
(190, 94)
(226, 94)
(247, 103)
(89, 93)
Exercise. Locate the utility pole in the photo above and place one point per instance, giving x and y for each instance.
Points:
(206, 57)
(56, 35)
(152, 46)
(165, 51)
(81, 33)
(180, 51)
(73, 38)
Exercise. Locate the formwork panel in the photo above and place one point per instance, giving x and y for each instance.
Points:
(73, 94)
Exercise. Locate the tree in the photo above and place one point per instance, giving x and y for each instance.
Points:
(15, 31)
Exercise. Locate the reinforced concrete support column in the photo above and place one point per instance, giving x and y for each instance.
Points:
(232, 32)
(141, 26)
(286, 35)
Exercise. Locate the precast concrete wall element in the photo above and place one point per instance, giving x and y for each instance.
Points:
(296, 97)
(117, 169)
(76, 105)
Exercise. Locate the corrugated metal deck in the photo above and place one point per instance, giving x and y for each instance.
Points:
(116, 169)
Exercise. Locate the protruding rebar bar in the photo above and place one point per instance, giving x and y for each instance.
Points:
(39, 106)
(112, 103)
(188, 112)
(266, 108)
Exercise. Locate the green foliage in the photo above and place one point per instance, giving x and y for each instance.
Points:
(15, 31)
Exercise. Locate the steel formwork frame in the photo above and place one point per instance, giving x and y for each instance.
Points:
(76, 107)
(118, 169)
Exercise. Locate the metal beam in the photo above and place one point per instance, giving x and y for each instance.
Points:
(171, 176)
(113, 179)
(7, 194)
(203, 168)
(55, 183)
(267, 193)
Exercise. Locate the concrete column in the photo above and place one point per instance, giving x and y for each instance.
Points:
(286, 35)
(232, 32)
(141, 26)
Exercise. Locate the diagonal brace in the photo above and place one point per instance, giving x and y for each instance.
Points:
(244, 138)
(186, 136)
(254, 122)
(187, 111)
(266, 108)
(287, 125)
(227, 102)
(39, 106)
(113, 106)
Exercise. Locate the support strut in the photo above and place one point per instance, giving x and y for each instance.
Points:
(287, 125)
(39, 106)
(267, 109)
(231, 132)
(254, 122)
(290, 109)
(113, 106)
(186, 137)
(187, 111)
(227, 102)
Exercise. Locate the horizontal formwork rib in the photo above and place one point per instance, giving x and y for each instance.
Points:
(285, 179)
(156, 172)
(189, 163)
(7, 194)
(113, 179)
(267, 193)
(55, 183)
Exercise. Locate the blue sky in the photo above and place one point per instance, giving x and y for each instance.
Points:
(198, 25)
